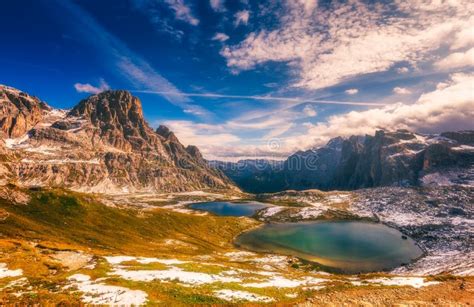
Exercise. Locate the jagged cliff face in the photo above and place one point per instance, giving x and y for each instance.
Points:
(104, 145)
(398, 158)
(19, 112)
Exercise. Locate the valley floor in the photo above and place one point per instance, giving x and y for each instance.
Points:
(59, 246)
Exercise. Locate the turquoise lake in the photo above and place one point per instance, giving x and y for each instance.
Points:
(349, 247)
(230, 209)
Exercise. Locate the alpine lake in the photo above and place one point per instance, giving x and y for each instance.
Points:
(341, 246)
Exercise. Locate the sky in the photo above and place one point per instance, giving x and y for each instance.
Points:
(252, 79)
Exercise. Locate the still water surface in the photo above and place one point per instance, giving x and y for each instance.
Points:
(349, 247)
(230, 209)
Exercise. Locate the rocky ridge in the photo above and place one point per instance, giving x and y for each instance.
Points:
(388, 158)
(103, 144)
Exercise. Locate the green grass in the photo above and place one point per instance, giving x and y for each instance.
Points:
(68, 218)
(202, 268)
(135, 266)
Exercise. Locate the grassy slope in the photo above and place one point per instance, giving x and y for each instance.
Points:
(66, 220)
(83, 222)
(58, 219)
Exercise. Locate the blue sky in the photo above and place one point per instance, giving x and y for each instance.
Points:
(246, 78)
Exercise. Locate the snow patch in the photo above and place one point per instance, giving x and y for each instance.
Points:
(463, 148)
(338, 198)
(436, 179)
(12, 143)
(235, 256)
(44, 150)
(100, 293)
(174, 274)
(5, 272)
(235, 295)
(459, 264)
(310, 212)
(416, 282)
(271, 211)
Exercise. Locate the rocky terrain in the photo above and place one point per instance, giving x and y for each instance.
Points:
(399, 158)
(439, 219)
(152, 249)
(102, 145)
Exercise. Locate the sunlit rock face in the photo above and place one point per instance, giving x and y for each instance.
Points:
(19, 112)
(103, 144)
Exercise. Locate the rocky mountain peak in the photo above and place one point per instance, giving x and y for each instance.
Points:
(19, 112)
(166, 133)
(102, 145)
(335, 143)
(465, 137)
(194, 152)
(111, 107)
(119, 118)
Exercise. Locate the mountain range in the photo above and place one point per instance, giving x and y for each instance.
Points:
(103, 144)
(388, 158)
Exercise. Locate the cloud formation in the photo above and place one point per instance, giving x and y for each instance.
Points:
(290, 100)
(310, 111)
(403, 70)
(88, 88)
(242, 18)
(457, 60)
(351, 91)
(222, 37)
(182, 11)
(217, 5)
(205, 135)
(333, 43)
(401, 90)
(449, 107)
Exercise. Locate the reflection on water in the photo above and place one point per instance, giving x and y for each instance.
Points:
(350, 247)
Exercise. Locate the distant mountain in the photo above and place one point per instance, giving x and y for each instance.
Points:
(253, 176)
(389, 158)
(103, 144)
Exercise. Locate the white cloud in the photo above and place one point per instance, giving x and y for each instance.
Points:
(182, 11)
(449, 107)
(310, 111)
(352, 91)
(403, 70)
(206, 137)
(222, 37)
(289, 100)
(278, 131)
(88, 88)
(242, 18)
(330, 45)
(464, 37)
(218, 5)
(401, 90)
(457, 60)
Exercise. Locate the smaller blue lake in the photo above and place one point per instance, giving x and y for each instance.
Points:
(225, 208)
